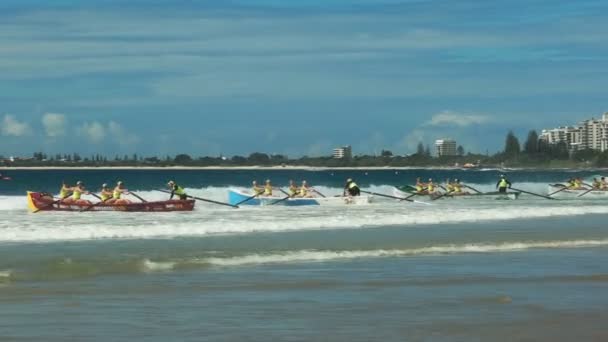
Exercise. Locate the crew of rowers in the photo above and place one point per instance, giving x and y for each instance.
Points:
(578, 184)
(453, 187)
(72, 194)
(302, 191)
(351, 189)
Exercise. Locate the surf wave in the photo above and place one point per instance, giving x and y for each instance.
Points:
(324, 256)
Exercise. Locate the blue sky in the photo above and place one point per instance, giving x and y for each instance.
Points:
(293, 77)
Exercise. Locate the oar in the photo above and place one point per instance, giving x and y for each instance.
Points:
(554, 192)
(319, 193)
(414, 194)
(52, 203)
(282, 199)
(247, 199)
(393, 197)
(533, 194)
(204, 199)
(94, 195)
(472, 188)
(586, 192)
(96, 204)
(443, 194)
(138, 197)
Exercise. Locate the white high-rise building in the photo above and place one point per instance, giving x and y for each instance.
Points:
(589, 135)
(344, 152)
(445, 147)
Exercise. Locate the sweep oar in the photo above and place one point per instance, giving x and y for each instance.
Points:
(533, 194)
(393, 197)
(204, 199)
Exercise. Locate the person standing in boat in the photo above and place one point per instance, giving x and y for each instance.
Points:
(105, 193)
(177, 190)
(351, 188)
(503, 184)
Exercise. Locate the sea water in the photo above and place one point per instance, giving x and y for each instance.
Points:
(474, 269)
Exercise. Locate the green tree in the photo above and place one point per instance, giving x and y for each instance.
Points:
(460, 150)
(512, 147)
(182, 159)
(420, 149)
(531, 146)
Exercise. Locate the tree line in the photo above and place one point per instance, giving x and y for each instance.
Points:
(533, 153)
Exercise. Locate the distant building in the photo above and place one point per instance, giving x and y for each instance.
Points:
(344, 152)
(445, 147)
(588, 135)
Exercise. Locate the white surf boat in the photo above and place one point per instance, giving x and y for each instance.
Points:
(495, 195)
(557, 190)
(242, 197)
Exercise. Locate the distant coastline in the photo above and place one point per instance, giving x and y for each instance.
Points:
(295, 167)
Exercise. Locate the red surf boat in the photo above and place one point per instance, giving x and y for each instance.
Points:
(40, 201)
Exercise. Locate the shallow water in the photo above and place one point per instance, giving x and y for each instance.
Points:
(455, 270)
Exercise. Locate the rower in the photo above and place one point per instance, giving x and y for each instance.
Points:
(503, 184)
(105, 193)
(603, 183)
(457, 187)
(293, 188)
(430, 186)
(596, 184)
(578, 183)
(177, 190)
(65, 191)
(268, 188)
(304, 190)
(77, 192)
(257, 190)
(351, 188)
(118, 191)
(449, 187)
(419, 186)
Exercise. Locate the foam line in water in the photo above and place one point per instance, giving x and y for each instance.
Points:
(324, 256)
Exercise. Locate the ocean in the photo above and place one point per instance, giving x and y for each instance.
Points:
(529, 269)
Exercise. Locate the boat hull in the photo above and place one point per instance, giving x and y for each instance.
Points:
(573, 193)
(486, 195)
(38, 201)
(236, 197)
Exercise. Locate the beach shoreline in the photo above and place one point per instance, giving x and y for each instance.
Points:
(289, 167)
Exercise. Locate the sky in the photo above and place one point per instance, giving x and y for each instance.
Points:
(160, 77)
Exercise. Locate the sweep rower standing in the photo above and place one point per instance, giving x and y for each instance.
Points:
(177, 190)
(503, 184)
(351, 188)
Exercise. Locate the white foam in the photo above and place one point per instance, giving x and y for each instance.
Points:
(17, 225)
(149, 266)
(324, 256)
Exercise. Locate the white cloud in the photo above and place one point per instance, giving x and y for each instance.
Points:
(122, 136)
(93, 131)
(54, 124)
(449, 118)
(13, 127)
